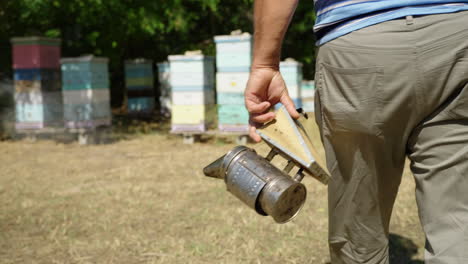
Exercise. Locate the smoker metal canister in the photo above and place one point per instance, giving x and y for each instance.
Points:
(262, 186)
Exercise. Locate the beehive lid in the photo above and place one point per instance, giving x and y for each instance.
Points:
(35, 40)
(290, 62)
(190, 57)
(139, 61)
(84, 58)
(292, 139)
(235, 36)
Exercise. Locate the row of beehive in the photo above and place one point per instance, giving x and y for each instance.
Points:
(54, 92)
(193, 108)
(85, 82)
(233, 62)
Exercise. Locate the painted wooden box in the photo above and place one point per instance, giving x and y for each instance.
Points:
(86, 108)
(192, 118)
(308, 105)
(37, 110)
(291, 71)
(294, 91)
(38, 99)
(192, 85)
(191, 72)
(164, 72)
(140, 105)
(87, 115)
(86, 72)
(231, 82)
(233, 115)
(139, 80)
(86, 93)
(35, 52)
(193, 114)
(47, 80)
(139, 74)
(233, 52)
(230, 98)
(193, 97)
(236, 128)
(307, 89)
(297, 103)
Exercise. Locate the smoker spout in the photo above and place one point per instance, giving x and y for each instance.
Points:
(215, 169)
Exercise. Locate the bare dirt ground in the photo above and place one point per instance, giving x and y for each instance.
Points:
(144, 199)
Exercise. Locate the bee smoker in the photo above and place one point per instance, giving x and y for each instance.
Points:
(258, 183)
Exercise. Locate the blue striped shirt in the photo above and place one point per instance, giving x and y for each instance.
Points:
(336, 18)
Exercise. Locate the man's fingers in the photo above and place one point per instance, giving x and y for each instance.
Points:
(256, 108)
(262, 118)
(253, 134)
(289, 104)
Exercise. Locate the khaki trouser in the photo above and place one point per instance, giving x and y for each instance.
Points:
(386, 92)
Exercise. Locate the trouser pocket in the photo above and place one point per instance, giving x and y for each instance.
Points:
(349, 97)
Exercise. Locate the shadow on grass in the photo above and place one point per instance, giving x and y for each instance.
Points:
(401, 250)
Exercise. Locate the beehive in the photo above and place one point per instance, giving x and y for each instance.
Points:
(86, 92)
(37, 81)
(308, 95)
(233, 52)
(291, 71)
(164, 88)
(233, 61)
(192, 86)
(36, 53)
(139, 81)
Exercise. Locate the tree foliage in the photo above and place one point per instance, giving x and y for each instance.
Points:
(124, 29)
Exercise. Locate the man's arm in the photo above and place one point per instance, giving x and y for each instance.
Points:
(266, 86)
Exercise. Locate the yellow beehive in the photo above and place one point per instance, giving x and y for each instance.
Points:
(193, 114)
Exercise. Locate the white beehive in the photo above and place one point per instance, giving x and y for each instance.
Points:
(233, 61)
(192, 85)
(291, 70)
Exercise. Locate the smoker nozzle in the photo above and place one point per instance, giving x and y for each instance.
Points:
(215, 169)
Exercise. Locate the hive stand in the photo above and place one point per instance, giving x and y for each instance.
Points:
(91, 136)
(192, 137)
(32, 135)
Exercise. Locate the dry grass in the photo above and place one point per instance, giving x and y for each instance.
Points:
(145, 200)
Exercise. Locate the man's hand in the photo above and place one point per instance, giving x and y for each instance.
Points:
(265, 88)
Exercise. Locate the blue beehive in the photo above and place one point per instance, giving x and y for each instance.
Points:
(233, 61)
(86, 92)
(139, 80)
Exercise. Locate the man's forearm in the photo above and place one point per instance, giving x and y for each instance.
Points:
(272, 18)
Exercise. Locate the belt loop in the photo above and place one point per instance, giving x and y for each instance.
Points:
(409, 20)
